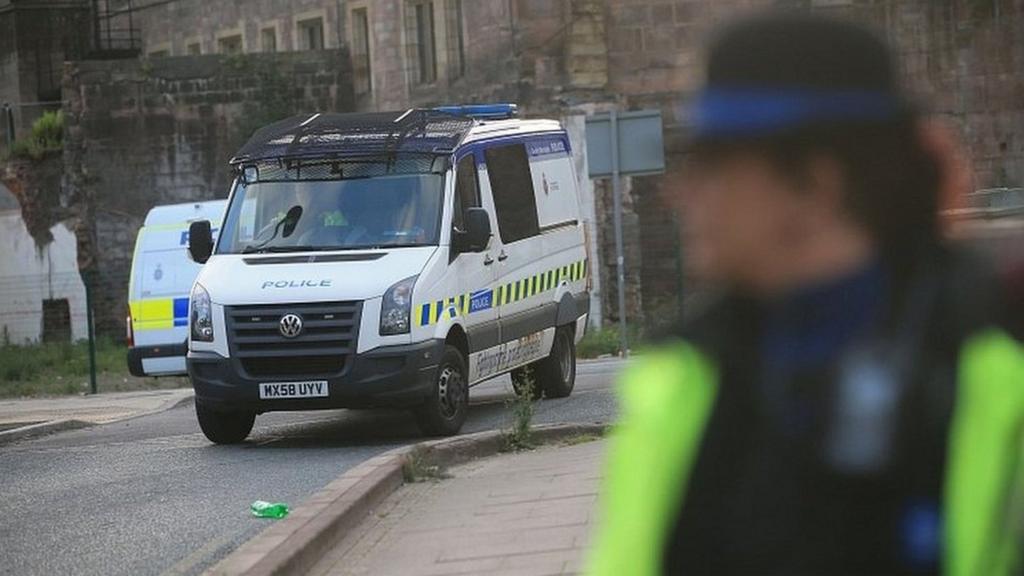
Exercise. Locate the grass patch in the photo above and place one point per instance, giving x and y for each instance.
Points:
(605, 341)
(56, 369)
(580, 439)
(47, 137)
(520, 436)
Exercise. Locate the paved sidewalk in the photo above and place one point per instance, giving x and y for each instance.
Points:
(512, 514)
(94, 409)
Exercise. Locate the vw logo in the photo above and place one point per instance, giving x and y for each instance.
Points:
(290, 325)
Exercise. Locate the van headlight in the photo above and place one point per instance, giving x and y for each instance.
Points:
(201, 316)
(396, 308)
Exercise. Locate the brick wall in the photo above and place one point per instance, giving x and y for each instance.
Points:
(148, 132)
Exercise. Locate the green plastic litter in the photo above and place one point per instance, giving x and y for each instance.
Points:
(262, 509)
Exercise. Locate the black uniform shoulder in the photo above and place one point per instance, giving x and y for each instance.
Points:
(713, 323)
(969, 296)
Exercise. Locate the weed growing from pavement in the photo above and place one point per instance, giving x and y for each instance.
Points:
(520, 437)
(580, 439)
(416, 469)
(604, 341)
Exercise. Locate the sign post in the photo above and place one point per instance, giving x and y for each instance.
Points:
(624, 144)
(91, 329)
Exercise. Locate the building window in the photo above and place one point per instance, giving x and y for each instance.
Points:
(268, 39)
(230, 44)
(508, 169)
(361, 51)
(422, 53)
(311, 34)
(194, 49)
(456, 40)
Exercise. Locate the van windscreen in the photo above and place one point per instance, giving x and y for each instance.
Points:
(391, 210)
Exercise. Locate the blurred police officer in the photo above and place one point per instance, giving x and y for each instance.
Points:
(848, 405)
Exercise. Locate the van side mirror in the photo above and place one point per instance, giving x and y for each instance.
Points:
(200, 241)
(478, 230)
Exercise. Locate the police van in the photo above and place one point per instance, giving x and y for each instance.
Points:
(158, 291)
(389, 260)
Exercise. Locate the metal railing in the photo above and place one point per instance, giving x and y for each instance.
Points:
(114, 28)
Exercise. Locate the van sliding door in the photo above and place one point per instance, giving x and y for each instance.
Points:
(525, 306)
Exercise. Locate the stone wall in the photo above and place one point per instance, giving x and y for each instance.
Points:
(143, 133)
(962, 58)
(175, 26)
(966, 61)
(555, 58)
(35, 40)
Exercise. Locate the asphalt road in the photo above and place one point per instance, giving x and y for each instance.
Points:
(152, 496)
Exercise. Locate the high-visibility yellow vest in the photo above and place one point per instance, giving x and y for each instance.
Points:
(666, 399)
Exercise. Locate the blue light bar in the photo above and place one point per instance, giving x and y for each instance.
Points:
(482, 111)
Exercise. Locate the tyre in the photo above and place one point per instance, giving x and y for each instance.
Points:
(224, 427)
(446, 407)
(522, 378)
(556, 374)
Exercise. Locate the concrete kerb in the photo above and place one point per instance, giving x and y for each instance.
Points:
(64, 424)
(169, 404)
(294, 545)
(40, 429)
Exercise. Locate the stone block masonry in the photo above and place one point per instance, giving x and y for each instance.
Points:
(142, 133)
(159, 131)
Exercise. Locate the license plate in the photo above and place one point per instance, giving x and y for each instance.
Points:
(275, 390)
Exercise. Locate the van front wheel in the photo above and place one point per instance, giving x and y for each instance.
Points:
(445, 409)
(556, 374)
(224, 427)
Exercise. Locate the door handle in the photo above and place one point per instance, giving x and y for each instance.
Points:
(502, 257)
(488, 260)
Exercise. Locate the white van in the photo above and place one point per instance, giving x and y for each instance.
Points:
(161, 278)
(357, 267)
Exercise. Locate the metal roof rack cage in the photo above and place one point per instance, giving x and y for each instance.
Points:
(354, 135)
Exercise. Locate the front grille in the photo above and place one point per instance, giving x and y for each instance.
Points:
(323, 348)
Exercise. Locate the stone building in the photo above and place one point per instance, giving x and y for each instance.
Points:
(146, 131)
(36, 37)
(556, 57)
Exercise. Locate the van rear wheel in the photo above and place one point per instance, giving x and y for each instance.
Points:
(446, 407)
(222, 427)
(556, 374)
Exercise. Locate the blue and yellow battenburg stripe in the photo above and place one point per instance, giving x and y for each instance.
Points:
(465, 304)
(159, 313)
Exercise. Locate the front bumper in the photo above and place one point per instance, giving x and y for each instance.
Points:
(390, 376)
(136, 354)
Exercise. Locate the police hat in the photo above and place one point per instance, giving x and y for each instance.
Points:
(784, 72)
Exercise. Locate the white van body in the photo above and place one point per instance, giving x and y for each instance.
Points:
(158, 291)
(499, 307)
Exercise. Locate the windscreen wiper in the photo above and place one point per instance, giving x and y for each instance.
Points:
(282, 249)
